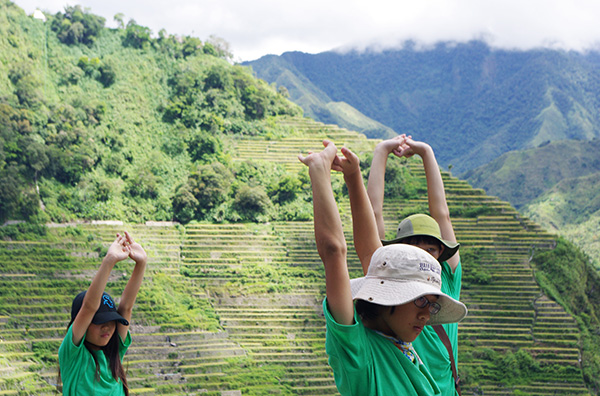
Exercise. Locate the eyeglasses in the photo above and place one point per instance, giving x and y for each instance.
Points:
(422, 302)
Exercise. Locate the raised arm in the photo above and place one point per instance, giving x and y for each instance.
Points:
(91, 302)
(376, 184)
(329, 234)
(436, 194)
(364, 227)
(137, 254)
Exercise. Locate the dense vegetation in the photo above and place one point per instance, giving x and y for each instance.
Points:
(100, 123)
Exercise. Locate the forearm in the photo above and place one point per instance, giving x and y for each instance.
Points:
(376, 184)
(436, 194)
(364, 227)
(329, 234)
(131, 289)
(91, 301)
(438, 206)
(92, 298)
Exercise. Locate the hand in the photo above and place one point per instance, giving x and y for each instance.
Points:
(118, 250)
(322, 159)
(394, 145)
(348, 165)
(412, 147)
(136, 251)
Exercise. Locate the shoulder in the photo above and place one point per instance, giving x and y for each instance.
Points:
(451, 280)
(67, 348)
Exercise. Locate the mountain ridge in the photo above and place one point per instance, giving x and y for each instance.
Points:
(494, 100)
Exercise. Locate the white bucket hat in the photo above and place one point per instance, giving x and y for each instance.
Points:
(401, 273)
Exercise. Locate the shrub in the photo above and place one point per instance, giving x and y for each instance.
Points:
(250, 202)
(184, 204)
(210, 185)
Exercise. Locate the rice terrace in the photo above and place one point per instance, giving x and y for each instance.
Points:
(236, 308)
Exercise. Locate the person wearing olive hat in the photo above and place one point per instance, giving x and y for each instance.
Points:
(372, 321)
(437, 345)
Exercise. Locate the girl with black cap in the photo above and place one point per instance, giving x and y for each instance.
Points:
(91, 354)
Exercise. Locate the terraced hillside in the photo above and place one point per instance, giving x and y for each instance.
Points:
(230, 309)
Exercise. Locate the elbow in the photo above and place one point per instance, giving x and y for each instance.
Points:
(332, 248)
(378, 212)
(125, 311)
(89, 306)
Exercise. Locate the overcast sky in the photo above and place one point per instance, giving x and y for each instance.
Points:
(255, 28)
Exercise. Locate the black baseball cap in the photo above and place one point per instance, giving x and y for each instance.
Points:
(105, 313)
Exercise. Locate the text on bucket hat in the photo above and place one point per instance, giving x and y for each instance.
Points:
(401, 273)
(423, 225)
(105, 313)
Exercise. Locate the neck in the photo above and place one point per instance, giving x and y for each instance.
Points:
(380, 326)
(93, 346)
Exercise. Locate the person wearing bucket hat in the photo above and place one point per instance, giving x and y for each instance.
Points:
(91, 354)
(437, 346)
(370, 351)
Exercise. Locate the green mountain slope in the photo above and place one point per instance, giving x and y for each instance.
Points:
(102, 123)
(314, 101)
(555, 185)
(521, 176)
(471, 102)
(572, 207)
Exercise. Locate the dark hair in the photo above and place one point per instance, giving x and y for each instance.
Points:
(111, 351)
(370, 311)
(417, 239)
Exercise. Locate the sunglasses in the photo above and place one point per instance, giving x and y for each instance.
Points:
(422, 302)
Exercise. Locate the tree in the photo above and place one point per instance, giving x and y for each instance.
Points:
(120, 19)
(76, 25)
(136, 36)
(184, 204)
(218, 77)
(203, 146)
(250, 202)
(107, 75)
(210, 185)
(191, 46)
(285, 189)
(219, 47)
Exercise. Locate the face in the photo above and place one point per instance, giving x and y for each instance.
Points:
(406, 321)
(100, 334)
(433, 249)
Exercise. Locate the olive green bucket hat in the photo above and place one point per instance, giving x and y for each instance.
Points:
(423, 225)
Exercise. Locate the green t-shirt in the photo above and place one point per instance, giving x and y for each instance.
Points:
(428, 345)
(365, 363)
(78, 370)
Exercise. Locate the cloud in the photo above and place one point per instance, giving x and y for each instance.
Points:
(260, 27)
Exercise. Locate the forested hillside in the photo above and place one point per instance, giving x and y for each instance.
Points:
(100, 123)
(471, 102)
